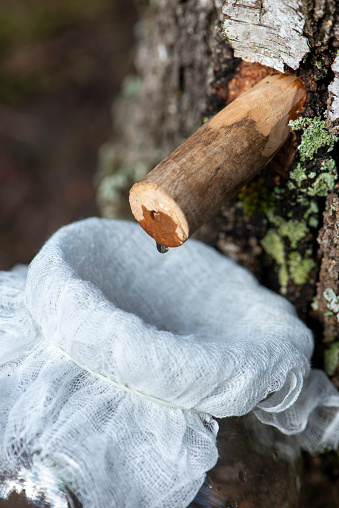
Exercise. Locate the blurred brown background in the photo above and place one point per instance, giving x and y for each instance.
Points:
(61, 65)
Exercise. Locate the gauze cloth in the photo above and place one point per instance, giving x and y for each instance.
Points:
(190, 334)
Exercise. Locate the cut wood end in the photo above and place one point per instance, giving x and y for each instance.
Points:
(158, 214)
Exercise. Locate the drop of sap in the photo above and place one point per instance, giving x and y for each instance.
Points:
(162, 248)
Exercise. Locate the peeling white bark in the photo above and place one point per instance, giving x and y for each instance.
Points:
(266, 31)
(333, 103)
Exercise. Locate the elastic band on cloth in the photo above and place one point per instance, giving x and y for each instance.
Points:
(115, 383)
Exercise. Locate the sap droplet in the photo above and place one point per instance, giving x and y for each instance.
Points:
(162, 248)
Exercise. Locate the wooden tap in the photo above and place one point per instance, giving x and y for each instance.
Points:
(210, 167)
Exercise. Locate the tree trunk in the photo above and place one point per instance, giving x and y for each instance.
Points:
(193, 57)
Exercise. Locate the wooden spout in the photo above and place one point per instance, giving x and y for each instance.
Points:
(209, 168)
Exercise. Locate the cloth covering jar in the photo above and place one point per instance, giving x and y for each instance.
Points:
(115, 361)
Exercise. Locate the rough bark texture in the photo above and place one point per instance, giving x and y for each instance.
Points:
(267, 31)
(328, 240)
(326, 303)
(333, 100)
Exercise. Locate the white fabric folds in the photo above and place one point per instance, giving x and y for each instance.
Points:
(99, 305)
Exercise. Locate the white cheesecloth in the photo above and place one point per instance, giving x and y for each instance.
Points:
(98, 306)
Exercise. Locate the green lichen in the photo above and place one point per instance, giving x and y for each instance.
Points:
(300, 268)
(276, 244)
(298, 175)
(318, 184)
(331, 358)
(322, 185)
(295, 267)
(332, 300)
(294, 230)
(321, 68)
(314, 136)
(311, 214)
(314, 176)
(274, 247)
(330, 166)
(315, 305)
(313, 222)
(256, 197)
